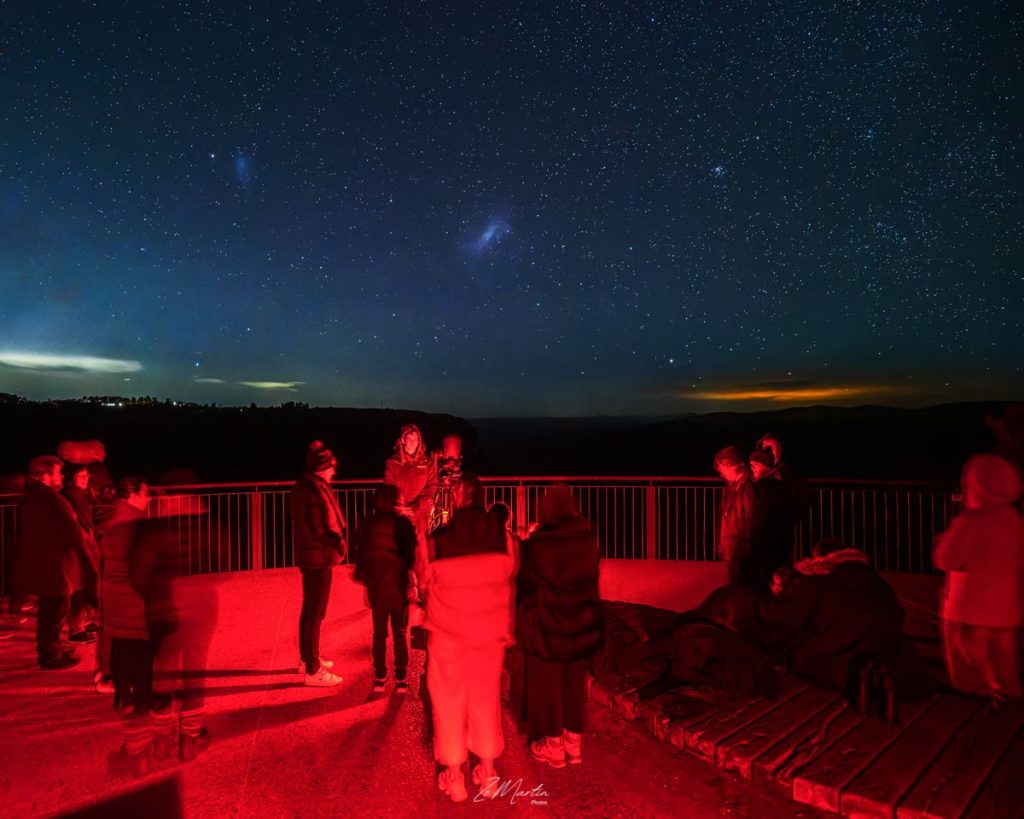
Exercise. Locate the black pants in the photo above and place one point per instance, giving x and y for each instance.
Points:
(131, 667)
(53, 615)
(399, 618)
(316, 591)
(555, 696)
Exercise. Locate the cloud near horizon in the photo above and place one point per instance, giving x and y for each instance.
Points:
(50, 362)
(273, 385)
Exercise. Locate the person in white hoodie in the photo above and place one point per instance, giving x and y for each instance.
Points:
(468, 623)
(982, 554)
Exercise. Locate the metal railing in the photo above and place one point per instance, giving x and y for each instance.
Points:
(248, 526)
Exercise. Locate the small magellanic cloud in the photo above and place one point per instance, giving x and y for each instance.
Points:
(57, 363)
(272, 385)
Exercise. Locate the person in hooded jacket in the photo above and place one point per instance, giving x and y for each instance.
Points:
(386, 548)
(82, 623)
(982, 554)
(320, 545)
(559, 625)
(833, 614)
(738, 522)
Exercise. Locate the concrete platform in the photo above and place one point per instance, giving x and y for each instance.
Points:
(280, 749)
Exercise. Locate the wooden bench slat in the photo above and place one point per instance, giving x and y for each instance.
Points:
(820, 782)
(877, 789)
(703, 739)
(1003, 794)
(960, 771)
(777, 765)
(738, 752)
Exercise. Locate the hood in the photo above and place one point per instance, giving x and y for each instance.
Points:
(989, 480)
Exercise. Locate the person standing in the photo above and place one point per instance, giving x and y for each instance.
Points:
(737, 517)
(320, 545)
(982, 554)
(413, 471)
(559, 625)
(52, 559)
(468, 625)
(82, 620)
(386, 548)
(123, 614)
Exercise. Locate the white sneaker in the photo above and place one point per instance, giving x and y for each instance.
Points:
(322, 679)
(328, 664)
(572, 743)
(550, 750)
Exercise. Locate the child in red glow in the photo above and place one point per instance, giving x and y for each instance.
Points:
(982, 554)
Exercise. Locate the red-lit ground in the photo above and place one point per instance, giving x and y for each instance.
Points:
(280, 749)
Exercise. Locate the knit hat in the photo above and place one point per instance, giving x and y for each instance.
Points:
(763, 457)
(319, 457)
(43, 464)
(731, 455)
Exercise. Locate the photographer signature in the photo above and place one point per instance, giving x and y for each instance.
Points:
(495, 788)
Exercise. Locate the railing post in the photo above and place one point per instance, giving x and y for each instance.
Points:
(651, 521)
(522, 524)
(256, 529)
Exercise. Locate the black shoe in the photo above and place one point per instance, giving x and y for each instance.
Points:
(82, 637)
(66, 659)
(190, 747)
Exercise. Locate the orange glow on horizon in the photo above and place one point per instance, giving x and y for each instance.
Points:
(789, 394)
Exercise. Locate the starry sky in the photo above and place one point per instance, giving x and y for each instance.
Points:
(514, 208)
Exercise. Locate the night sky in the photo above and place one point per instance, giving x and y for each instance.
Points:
(511, 208)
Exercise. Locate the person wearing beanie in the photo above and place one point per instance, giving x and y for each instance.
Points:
(737, 515)
(778, 500)
(982, 554)
(52, 559)
(320, 545)
(559, 625)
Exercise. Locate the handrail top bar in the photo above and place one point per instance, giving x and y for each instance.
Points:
(547, 479)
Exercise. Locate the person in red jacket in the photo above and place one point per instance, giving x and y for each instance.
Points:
(320, 545)
(52, 560)
(982, 554)
(413, 471)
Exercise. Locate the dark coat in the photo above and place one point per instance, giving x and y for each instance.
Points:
(737, 523)
(123, 608)
(472, 531)
(559, 616)
(52, 557)
(320, 540)
(386, 547)
(837, 621)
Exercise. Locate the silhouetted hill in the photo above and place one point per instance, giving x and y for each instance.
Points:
(259, 444)
(827, 442)
(217, 444)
